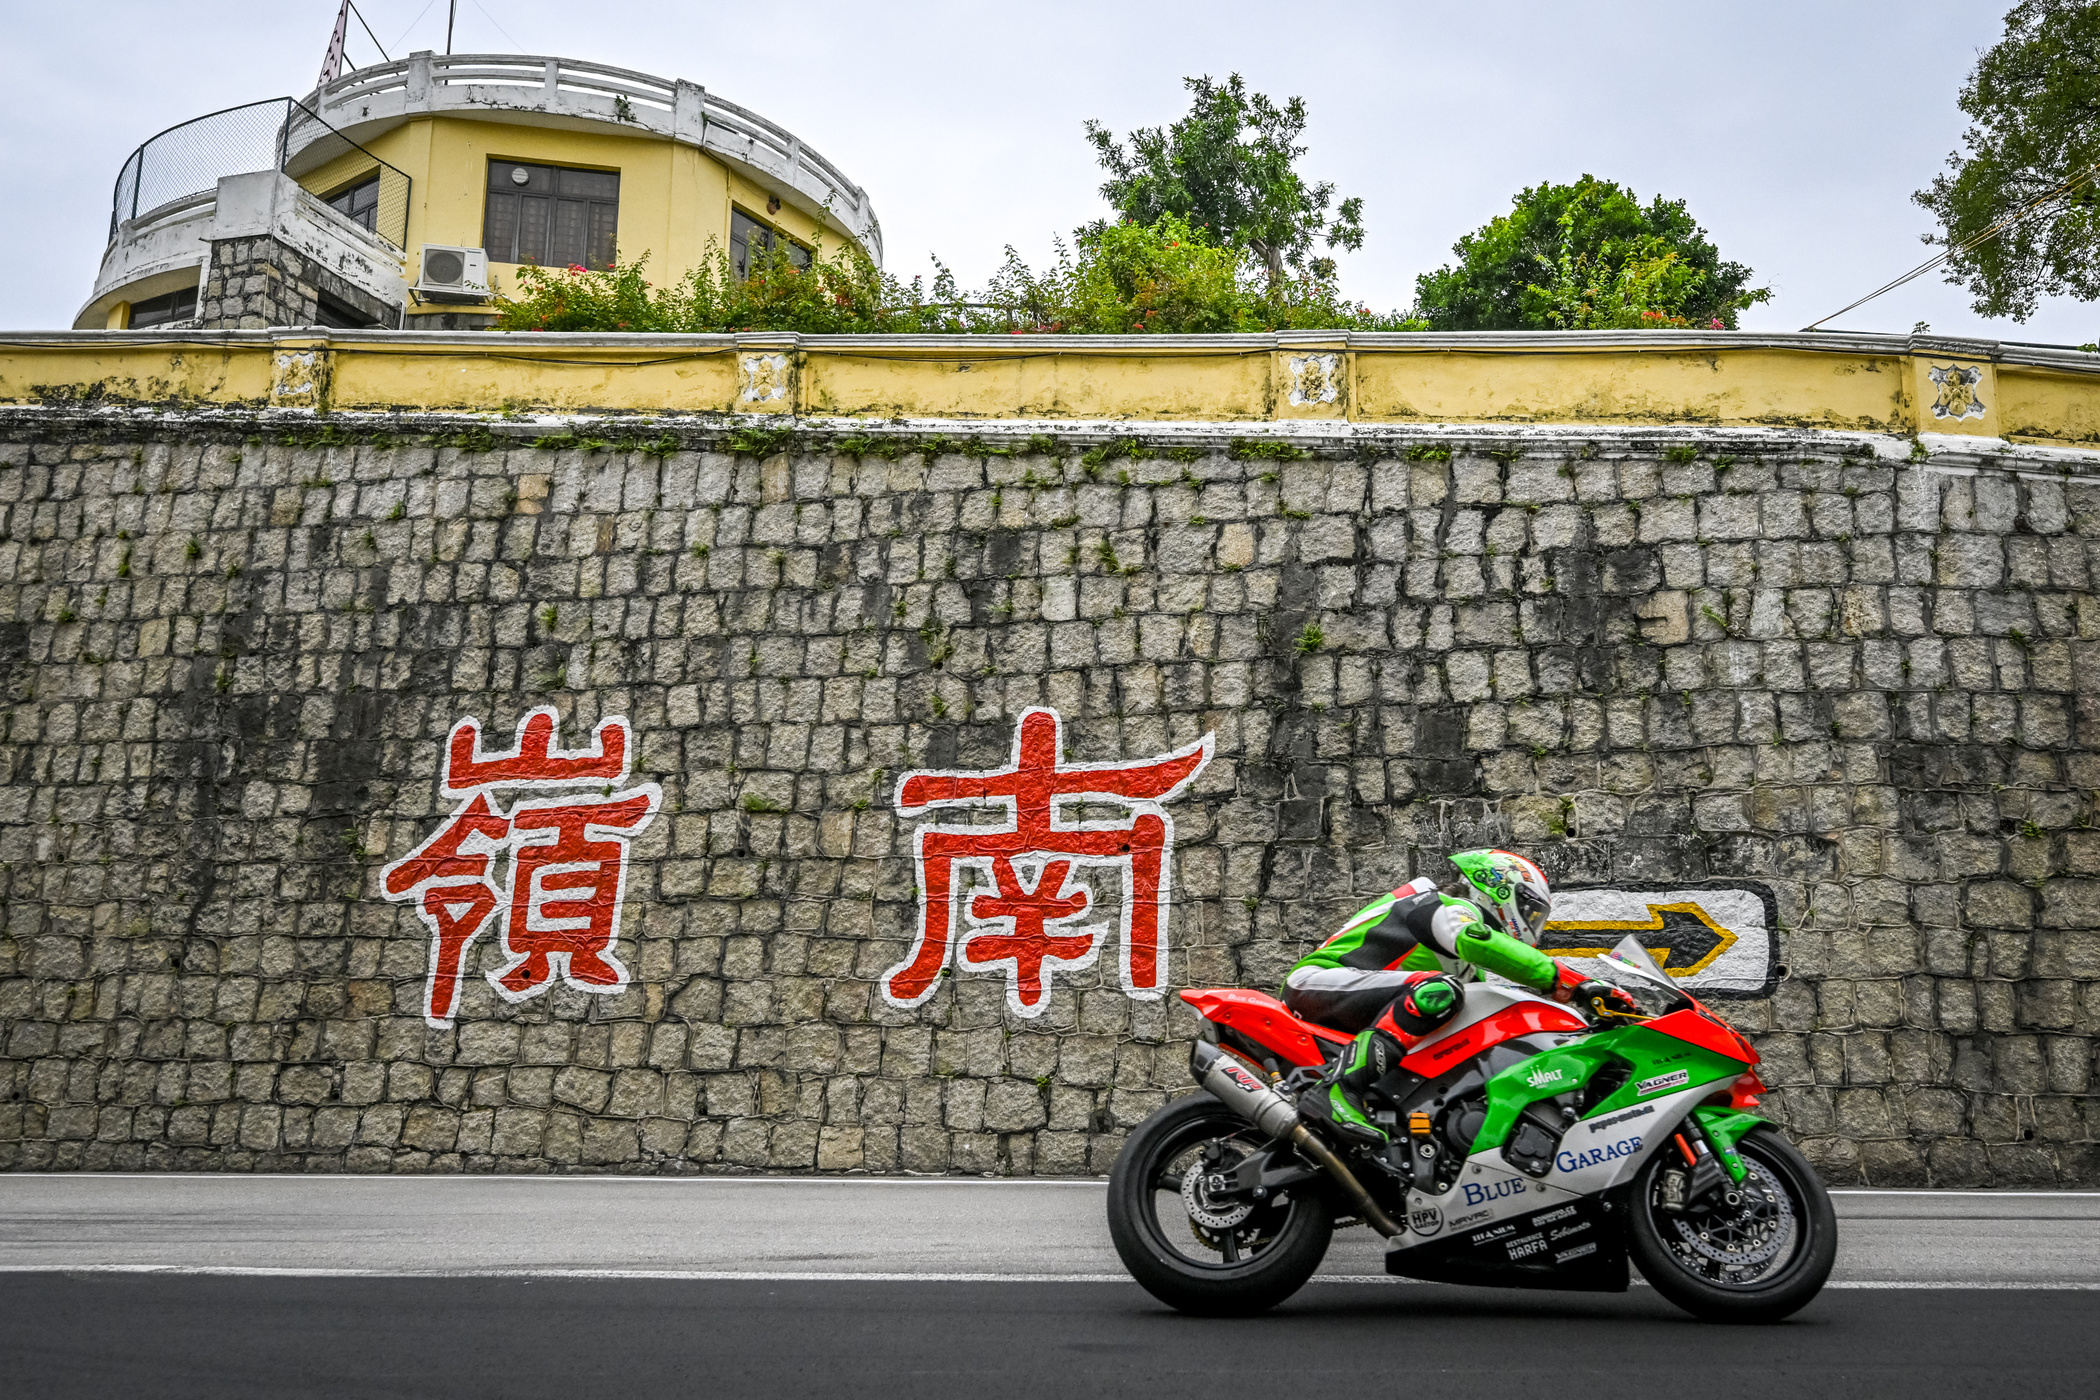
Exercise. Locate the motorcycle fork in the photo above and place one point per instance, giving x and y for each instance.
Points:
(1694, 1171)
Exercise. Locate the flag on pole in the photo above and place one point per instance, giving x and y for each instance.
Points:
(332, 66)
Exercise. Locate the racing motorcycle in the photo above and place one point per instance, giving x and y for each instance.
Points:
(1533, 1145)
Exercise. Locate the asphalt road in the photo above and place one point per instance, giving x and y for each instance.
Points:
(105, 1335)
(520, 1287)
(813, 1229)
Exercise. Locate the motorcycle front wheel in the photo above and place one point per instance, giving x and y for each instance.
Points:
(1187, 1237)
(1757, 1258)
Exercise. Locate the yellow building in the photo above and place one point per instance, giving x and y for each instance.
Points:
(409, 193)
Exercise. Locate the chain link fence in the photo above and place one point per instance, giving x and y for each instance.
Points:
(187, 161)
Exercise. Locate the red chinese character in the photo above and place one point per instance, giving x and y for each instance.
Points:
(1032, 791)
(563, 887)
(454, 895)
(565, 892)
(1029, 950)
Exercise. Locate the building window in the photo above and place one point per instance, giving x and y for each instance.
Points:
(359, 203)
(178, 305)
(747, 233)
(552, 217)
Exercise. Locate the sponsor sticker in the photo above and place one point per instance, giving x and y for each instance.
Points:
(1617, 1118)
(1564, 1213)
(1490, 1235)
(1598, 1156)
(1459, 1222)
(1528, 1246)
(1479, 1193)
(1540, 1078)
(1675, 1079)
(1425, 1220)
(1566, 1230)
(1576, 1253)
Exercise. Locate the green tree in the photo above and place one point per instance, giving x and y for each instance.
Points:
(2034, 104)
(1529, 268)
(1230, 166)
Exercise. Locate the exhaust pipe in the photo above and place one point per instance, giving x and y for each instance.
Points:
(1242, 1091)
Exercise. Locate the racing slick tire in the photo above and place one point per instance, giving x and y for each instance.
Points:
(1214, 1257)
(1759, 1260)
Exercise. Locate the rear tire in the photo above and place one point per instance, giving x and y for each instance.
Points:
(1758, 1262)
(1265, 1252)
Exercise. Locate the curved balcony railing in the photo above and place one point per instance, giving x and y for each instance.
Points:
(186, 162)
(187, 159)
(565, 86)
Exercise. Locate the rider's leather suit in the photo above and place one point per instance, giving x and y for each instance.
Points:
(1395, 972)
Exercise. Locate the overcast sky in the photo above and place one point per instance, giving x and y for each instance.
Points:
(1796, 130)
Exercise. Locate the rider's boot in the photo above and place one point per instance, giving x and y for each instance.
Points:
(1336, 1101)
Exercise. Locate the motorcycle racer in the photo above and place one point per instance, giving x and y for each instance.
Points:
(1398, 970)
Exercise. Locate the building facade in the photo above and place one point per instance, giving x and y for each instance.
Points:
(408, 194)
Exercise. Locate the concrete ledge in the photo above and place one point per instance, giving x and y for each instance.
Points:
(1852, 383)
(168, 247)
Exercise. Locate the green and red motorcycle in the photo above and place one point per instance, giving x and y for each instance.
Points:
(1532, 1146)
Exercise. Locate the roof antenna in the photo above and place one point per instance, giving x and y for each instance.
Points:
(451, 14)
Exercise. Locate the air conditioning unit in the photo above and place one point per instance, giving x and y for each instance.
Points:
(453, 274)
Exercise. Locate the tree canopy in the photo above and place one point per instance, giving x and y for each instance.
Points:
(2034, 104)
(1585, 256)
(1230, 166)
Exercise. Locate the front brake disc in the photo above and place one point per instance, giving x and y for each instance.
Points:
(1746, 1236)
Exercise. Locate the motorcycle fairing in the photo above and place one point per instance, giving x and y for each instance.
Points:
(1595, 1155)
(1492, 1013)
(1656, 1064)
(1541, 1240)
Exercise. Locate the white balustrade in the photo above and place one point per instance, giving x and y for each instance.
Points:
(602, 93)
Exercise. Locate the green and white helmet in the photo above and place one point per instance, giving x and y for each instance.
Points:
(1511, 889)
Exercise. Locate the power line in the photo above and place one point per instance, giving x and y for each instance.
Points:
(516, 47)
(368, 32)
(417, 20)
(2069, 184)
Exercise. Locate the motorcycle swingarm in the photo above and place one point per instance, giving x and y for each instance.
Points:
(1271, 1170)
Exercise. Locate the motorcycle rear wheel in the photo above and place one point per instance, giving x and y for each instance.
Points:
(1243, 1257)
(1759, 1261)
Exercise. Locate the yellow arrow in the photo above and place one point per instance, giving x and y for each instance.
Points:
(1724, 939)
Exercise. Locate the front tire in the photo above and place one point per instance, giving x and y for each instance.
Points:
(1203, 1254)
(1758, 1261)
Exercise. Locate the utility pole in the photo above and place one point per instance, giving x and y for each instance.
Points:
(451, 14)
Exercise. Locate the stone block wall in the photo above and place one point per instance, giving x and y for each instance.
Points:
(232, 650)
(256, 282)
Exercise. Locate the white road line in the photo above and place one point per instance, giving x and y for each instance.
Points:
(1091, 1182)
(1986, 1195)
(814, 1276)
(253, 1178)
